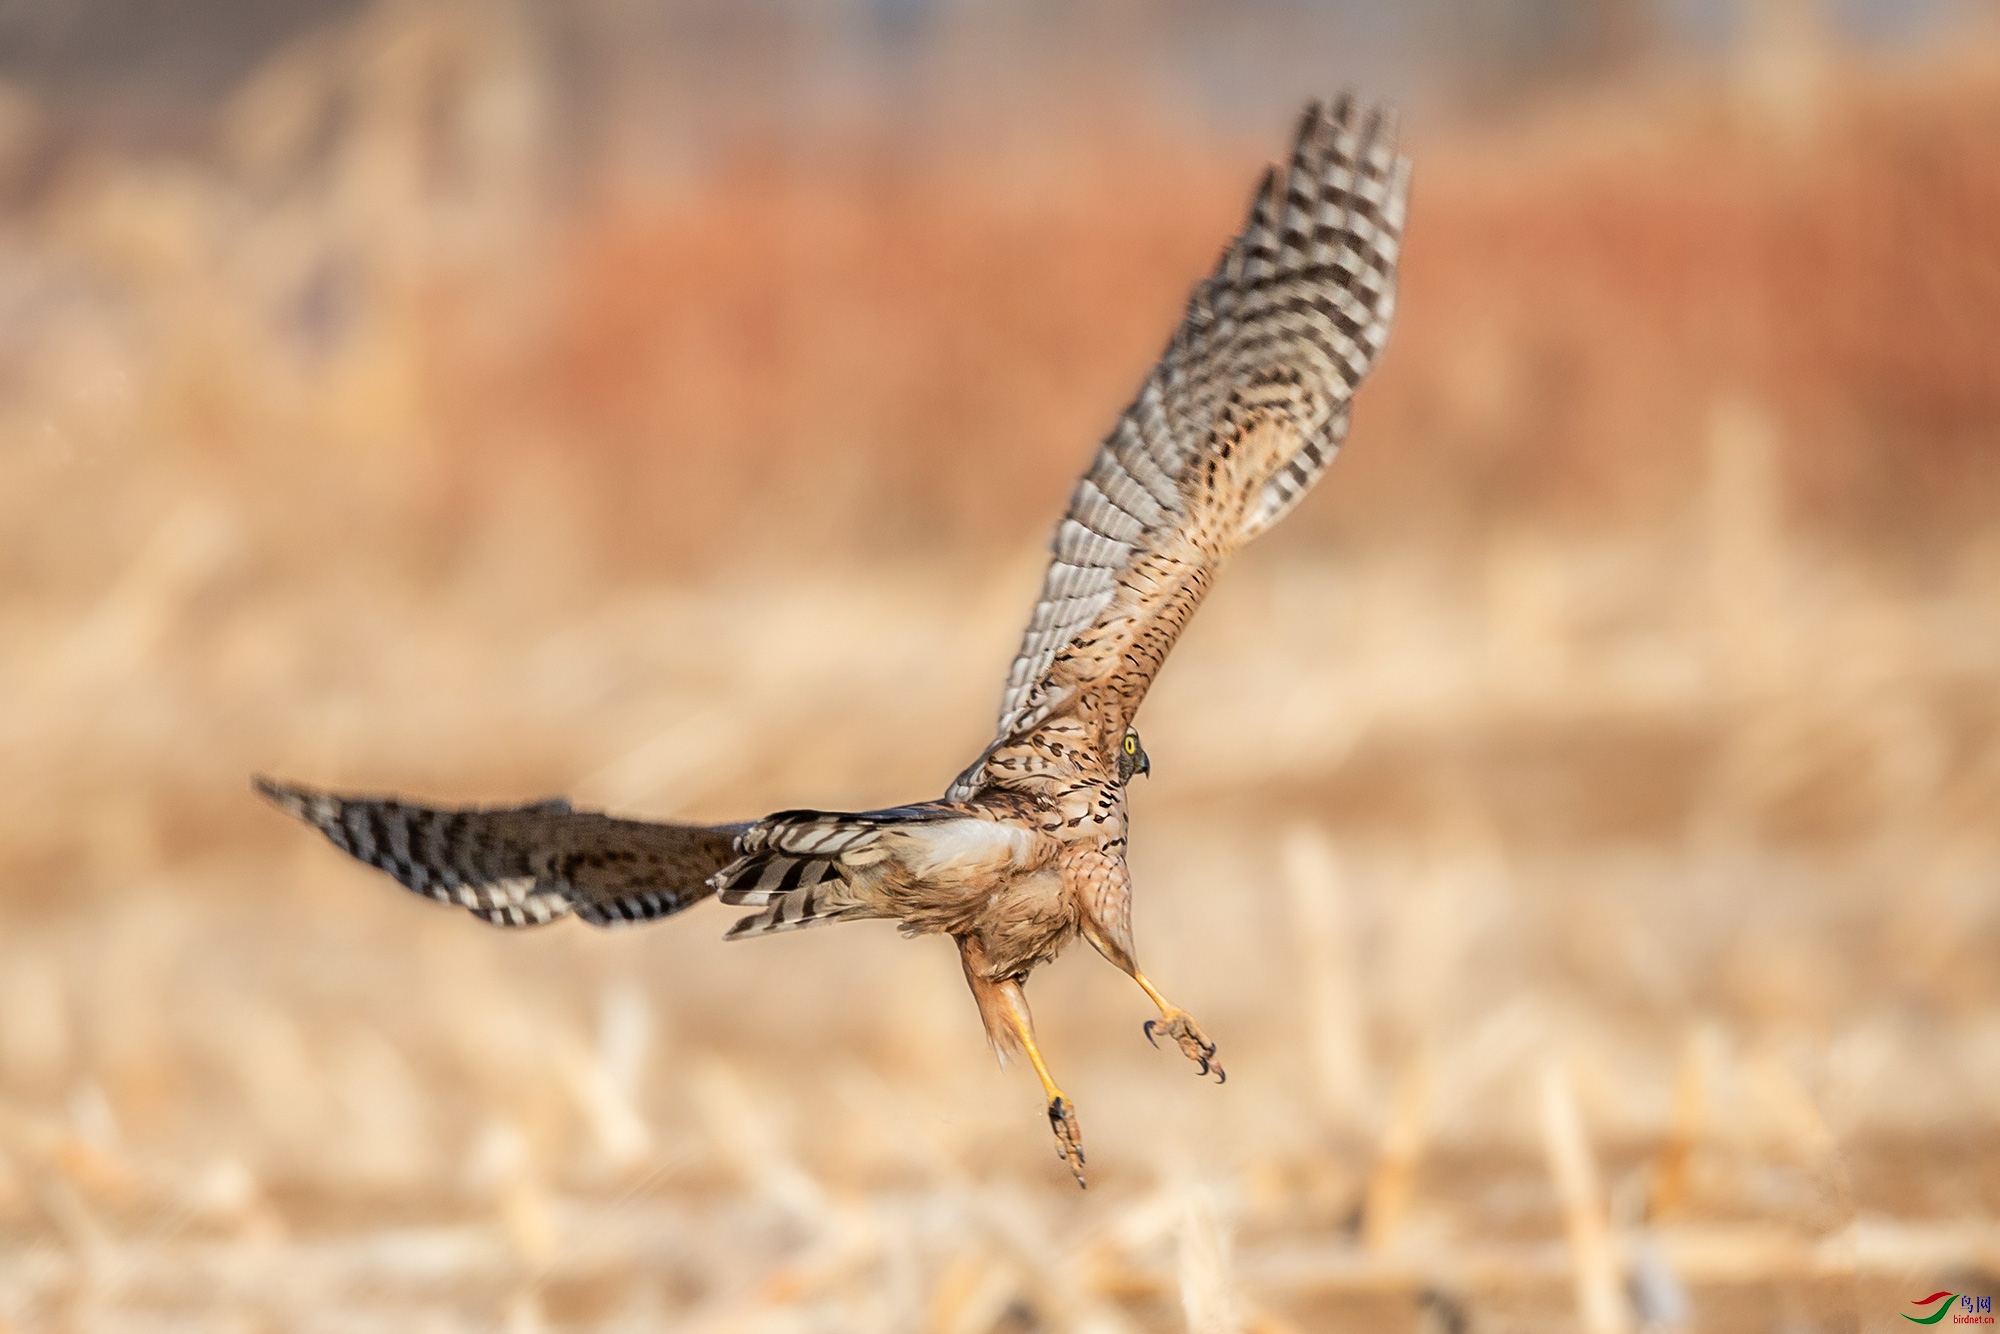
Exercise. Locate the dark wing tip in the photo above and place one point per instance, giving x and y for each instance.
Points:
(1337, 134)
(1260, 240)
(290, 798)
(1379, 129)
(1263, 205)
(1309, 124)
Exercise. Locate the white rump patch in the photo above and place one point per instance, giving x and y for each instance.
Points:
(966, 847)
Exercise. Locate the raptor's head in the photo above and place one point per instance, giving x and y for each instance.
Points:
(1132, 757)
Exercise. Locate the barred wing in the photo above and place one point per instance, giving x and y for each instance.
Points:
(524, 865)
(1243, 412)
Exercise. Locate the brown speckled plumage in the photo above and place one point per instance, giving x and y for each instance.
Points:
(1026, 851)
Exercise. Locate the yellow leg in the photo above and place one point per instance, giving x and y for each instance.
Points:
(1013, 1007)
(1025, 1034)
(1114, 942)
(1003, 1008)
(1153, 991)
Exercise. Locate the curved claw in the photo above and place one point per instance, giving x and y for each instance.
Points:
(1150, 1025)
(1194, 1043)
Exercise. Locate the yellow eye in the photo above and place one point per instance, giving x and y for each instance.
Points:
(1131, 744)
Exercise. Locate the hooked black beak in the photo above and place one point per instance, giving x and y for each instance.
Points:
(1145, 764)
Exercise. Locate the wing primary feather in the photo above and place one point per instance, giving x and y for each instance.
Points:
(521, 865)
(1270, 351)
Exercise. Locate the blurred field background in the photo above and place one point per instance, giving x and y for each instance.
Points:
(1576, 824)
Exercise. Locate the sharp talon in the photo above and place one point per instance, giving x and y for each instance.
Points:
(1194, 1043)
(1069, 1137)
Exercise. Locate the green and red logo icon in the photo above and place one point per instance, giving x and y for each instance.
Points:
(1977, 1310)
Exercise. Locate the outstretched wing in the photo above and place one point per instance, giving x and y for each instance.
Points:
(524, 865)
(1241, 415)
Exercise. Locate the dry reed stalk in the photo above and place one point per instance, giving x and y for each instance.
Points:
(1207, 1287)
(502, 1167)
(35, 1030)
(427, 1264)
(621, 1134)
(1398, 1157)
(1745, 548)
(1335, 1025)
(1595, 1271)
(747, 1136)
(971, 1296)
(1809, 1139)
(1709, 1254)
(1787, 1108)
(125, 630)
(1668, 1181)
(1057, 1284)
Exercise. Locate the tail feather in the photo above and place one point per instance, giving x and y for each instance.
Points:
(800, 866)
(812, 905)
(773, 875)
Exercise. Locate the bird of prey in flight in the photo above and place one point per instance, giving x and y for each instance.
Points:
(1025, 851)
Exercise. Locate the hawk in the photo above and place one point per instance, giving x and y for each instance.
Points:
(1026, 849)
